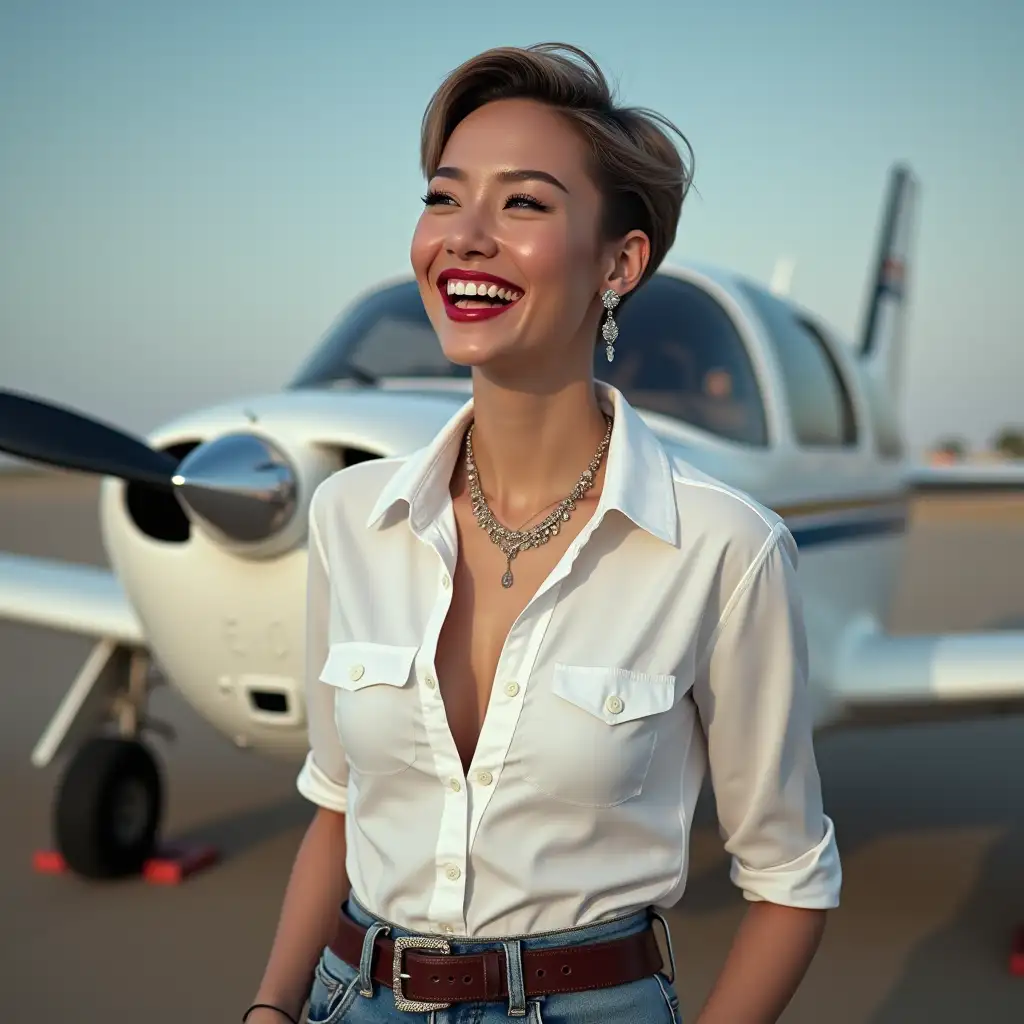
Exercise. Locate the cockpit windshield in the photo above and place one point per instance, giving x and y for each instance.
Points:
(678, 353)
(386, 335)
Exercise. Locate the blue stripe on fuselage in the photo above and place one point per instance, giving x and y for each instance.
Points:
(850, 529)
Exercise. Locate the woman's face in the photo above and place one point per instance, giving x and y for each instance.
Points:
(512, 211)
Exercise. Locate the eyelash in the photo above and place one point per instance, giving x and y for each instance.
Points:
(434, 198)
(530, 201)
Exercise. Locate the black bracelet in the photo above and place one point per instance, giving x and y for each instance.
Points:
(268, 1006)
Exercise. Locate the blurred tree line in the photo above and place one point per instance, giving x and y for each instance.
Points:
(1008, 444)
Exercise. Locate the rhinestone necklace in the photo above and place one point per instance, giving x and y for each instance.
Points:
(511, 542)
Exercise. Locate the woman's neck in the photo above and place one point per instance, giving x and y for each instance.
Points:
(531, 446)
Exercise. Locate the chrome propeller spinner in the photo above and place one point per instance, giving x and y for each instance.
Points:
(239, 485)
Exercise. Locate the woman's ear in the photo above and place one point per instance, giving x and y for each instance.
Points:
(627, 262)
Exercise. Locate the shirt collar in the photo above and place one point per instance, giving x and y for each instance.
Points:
(638, 478)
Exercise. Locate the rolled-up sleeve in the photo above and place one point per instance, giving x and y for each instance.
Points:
(324, 775)
(752, 694)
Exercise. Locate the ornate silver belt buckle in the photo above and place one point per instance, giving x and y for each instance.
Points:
(397, 977)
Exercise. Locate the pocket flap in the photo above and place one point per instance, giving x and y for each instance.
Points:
(355, 664)
(615, 695)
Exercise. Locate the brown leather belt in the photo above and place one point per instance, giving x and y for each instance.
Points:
(424, 976)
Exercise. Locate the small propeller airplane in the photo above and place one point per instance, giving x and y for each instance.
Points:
(204, 523)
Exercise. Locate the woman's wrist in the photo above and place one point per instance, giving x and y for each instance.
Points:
(269, 1011)
(274, 1005)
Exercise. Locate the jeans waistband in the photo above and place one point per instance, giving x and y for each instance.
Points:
(614, 928)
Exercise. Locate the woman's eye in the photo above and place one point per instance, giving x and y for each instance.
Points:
(521, 201)
(517, 202)
(434, 198)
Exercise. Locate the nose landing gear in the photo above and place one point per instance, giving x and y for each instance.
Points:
(109, 803)
(108, 808)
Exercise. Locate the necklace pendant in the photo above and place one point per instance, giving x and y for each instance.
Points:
(507, 579)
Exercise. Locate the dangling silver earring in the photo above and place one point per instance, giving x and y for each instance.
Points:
(610, 329)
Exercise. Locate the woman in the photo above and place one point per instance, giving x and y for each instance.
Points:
(527, 640)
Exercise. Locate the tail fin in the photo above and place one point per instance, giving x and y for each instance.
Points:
(881, 342)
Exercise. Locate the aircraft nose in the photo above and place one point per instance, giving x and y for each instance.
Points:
(239, 485)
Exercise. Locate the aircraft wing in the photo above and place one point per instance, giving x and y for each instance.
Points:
(881, 677)
(67, 597)
(991, 477)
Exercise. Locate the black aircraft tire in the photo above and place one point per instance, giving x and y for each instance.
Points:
(108, 808)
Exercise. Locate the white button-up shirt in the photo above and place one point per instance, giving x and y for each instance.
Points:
(668, 638)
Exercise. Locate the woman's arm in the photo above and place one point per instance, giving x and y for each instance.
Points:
(315, 891)
(319, 882)
(753, 696)
(772, 950)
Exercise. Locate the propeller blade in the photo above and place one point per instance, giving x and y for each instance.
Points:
(42, 432)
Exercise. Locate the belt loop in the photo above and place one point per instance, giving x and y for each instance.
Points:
(366, 958)
(657, 914)
(514, 970)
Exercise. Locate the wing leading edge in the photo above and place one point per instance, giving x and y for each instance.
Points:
(908, 678)
(67, 597)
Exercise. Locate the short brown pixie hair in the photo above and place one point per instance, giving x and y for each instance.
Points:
(641, 174)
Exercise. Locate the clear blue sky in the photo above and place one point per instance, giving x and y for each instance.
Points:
(190, 191)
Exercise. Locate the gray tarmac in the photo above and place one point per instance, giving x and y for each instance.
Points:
(930, 821)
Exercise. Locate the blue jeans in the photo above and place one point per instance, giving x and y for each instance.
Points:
(335, 997)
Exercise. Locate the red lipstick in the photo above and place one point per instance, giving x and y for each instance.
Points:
(476, 277)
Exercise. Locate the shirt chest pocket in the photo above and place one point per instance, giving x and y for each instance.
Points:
(595, 732)
(374, 707)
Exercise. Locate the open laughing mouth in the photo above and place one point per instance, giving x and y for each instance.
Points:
(471, 295)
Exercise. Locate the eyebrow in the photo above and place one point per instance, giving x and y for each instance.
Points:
(505, 176)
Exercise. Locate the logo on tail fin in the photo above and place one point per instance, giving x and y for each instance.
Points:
(892, 277)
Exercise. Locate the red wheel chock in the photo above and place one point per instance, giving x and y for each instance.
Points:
(1017, 954)
(169, 866)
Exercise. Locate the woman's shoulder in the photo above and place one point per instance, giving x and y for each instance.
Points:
(723, 518)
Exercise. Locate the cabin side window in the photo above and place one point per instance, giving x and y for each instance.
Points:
(679, 353)
(849, 418)
(819, 403)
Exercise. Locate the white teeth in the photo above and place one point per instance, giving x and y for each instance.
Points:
(470, 288)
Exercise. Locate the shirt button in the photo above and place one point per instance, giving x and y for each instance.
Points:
(452, 872)
(613, 705)
(455, 784)
(430, 682)
(446, 581)
(449, 930)
(511, 689)
(484, 778)
(355, 673)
